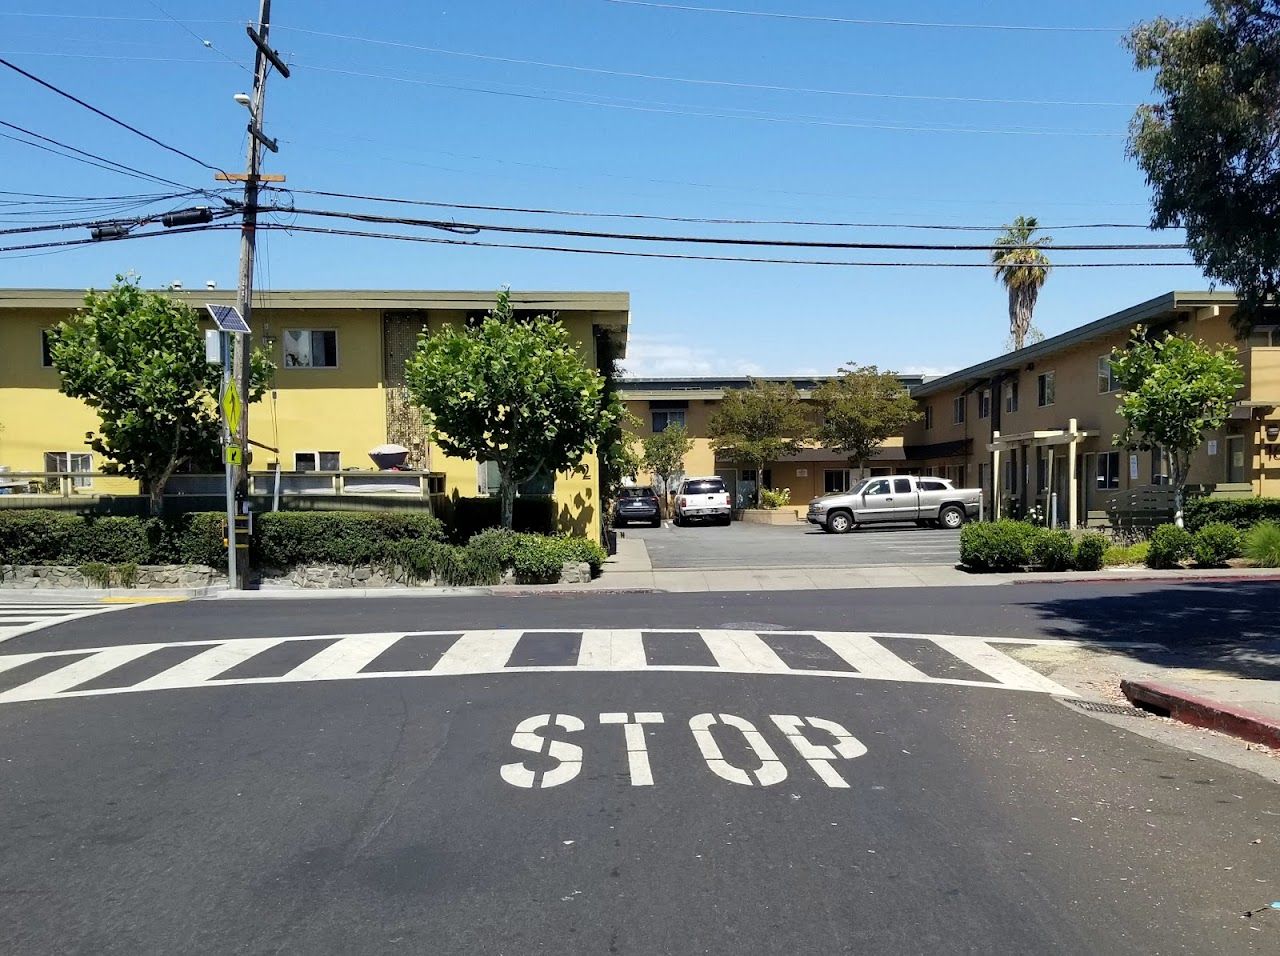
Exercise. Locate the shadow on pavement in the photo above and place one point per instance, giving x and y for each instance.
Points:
(1233, 627)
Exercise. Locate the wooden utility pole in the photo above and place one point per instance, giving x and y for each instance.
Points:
(265, 59)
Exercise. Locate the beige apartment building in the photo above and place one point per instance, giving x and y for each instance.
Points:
(659, 402)
(1035, 428)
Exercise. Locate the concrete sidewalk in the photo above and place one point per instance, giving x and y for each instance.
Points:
(1248, 709)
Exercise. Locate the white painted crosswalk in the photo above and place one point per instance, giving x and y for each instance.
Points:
(20, 617)
(911, 658)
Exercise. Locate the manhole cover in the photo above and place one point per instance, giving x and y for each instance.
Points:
(1098, 707)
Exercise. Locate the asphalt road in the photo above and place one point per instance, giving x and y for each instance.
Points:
(946, 812)
(743, 545)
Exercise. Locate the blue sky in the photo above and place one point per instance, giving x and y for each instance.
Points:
(410, 131)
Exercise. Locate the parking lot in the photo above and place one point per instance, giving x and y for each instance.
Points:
(743, 545)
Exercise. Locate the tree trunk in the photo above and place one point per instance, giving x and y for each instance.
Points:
(507, 494)
(1180, 464)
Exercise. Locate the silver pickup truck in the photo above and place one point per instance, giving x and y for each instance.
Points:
(896, 498)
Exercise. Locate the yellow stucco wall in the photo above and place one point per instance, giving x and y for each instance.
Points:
(340, 409)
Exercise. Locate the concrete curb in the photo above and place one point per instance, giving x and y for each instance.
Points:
(1072, 577)
(115, 595)
(1189, 708)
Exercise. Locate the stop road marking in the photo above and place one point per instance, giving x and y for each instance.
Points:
(537, 735)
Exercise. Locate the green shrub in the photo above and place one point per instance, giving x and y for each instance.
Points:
(1090, 551)
(33, 537)
(1215, 544)
(97, 573)
(770, 498)
(583, 549)
(126, 575)
(1169, 546)
(1240, 513)
(538, 559)
(285, 539)
(996, 546)
(462, 566)
(1052, 550)
(1132, 554)
(415, 559)
(1262, 544)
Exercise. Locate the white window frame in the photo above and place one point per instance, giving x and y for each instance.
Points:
(958, 410)
(847, 479)
(1100, 471)
(284, 349)
(928, 417)
(683, 419)
(1011, 397)
(984, 403)
(1046, 389)
(66, 466)
(315, 458)
(1110, 385)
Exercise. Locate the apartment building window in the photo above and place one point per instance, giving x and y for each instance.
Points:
(316, 461)
(1160, 467)
(983, 476)
(1010, 475)
(1235, 459)
(1044, 389)
(46, 353)
(489, 482)
(1106, 375)
(665, 417)
(957, 410)
(928, 416)
(984, 403)
(70, 463)
(836, 480)
(1011, 396)
(307, 348)
(1108, 476)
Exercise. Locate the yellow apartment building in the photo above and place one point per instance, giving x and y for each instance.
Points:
(1035, 428)
(658, 402)
(338, 392)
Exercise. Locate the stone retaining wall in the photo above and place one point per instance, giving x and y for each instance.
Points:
(325, 576)
(39, 577)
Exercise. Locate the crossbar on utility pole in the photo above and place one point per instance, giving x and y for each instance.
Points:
(264, 60)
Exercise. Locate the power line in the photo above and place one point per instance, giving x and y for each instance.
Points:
(473, 228)
(120, 167)
(695, 219)
(67, 243)
(698, 81)
(436, 240)
(107, 116)
(207, 44)
(681, 109)
(865, 22)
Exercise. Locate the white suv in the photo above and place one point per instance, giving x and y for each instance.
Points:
(700, 499)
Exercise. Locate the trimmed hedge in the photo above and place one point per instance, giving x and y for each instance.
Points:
(996, 545)
(535, 558)
(285, 539)
(1053, 550)
(1090, 550)
(1240, 513)
(1169, 546)
(1215, 544)
(41, 536)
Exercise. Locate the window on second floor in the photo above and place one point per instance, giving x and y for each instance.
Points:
(307, 348)
(46, 353)
(664, 417)
(928, 416)
(70, 463)
(984, 403)
(1044, 389)
(1106, 375)
(1011, 396)
(957, 410)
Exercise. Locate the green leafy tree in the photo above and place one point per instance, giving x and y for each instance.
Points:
(861, 409)
(1022, 267)
(137, 358)
(1172, 390)
(762, 423)
(664, 454)
(513, 392)
(1208, 146)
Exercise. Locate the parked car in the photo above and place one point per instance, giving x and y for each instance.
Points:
(638, 503)
(925, 501)
(702, 499)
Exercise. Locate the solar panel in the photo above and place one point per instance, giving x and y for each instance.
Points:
(228, 318)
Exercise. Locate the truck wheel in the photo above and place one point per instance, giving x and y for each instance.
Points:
(951, 517)
(839, 523)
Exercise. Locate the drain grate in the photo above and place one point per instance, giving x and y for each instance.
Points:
(1098, 707)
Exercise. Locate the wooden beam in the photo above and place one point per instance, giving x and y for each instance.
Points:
(244, 177)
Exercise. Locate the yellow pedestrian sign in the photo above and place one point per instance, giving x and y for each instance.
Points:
(232, 455)
(232, 407)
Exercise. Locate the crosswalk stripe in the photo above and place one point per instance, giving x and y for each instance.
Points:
(344, 658)
(1000, 666)
(86, 669)
(209, 663)
(611, 650)
(743, 651)
(478, 652)
(872, 659)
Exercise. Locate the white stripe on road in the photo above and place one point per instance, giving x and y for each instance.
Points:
(487, 652)
(23, 618)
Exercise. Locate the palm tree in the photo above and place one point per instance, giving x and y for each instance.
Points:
(1022, 267)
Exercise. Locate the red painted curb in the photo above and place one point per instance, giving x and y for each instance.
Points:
(1202, 712)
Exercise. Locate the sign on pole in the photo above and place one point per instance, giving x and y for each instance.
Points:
(232, 455)
(232, 406)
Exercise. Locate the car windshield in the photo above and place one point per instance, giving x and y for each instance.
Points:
(710, 486)
(636, 493)
(855, 488)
